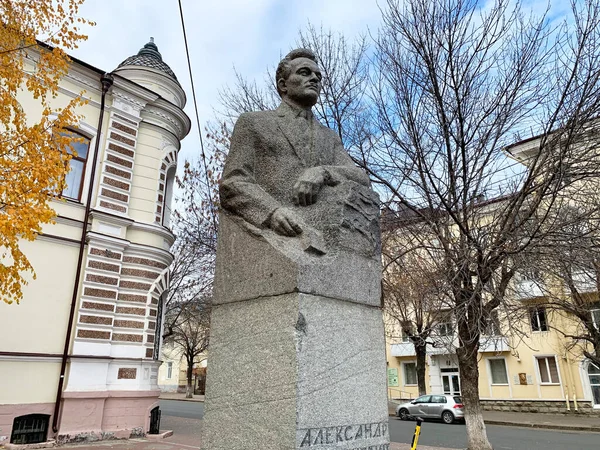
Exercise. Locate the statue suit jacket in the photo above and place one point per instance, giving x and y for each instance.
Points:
(268, 153)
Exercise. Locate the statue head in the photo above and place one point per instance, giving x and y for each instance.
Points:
(298, 78)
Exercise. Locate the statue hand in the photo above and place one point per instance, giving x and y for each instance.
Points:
(308, 186)
(284, 222)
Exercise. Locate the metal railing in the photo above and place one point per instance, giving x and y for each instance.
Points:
(402, 395)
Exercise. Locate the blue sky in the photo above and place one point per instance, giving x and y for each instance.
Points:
(247, 34)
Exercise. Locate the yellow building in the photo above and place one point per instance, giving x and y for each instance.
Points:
(79, 355)
(532, 372)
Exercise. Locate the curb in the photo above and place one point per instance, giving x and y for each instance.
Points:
(544, 426)
(182, 399)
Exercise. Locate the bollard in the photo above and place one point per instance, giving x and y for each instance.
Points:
(415, 439)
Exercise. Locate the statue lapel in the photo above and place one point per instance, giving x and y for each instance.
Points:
(285, 118)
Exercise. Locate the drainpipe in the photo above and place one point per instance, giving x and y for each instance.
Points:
(571, 380)
(107, 81)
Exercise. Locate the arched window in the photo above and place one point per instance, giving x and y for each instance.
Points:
(594, 378)
(168, 196)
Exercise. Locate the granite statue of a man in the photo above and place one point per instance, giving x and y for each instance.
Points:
(297, 356)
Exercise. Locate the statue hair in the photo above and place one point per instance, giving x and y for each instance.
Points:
(284, 66)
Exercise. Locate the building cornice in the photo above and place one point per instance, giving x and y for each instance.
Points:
(155, 229)
(166, 115)
(111, 218)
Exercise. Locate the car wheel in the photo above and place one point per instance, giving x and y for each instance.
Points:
(448, 417)
(403, 414)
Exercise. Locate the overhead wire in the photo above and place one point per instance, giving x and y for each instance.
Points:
(202, 152)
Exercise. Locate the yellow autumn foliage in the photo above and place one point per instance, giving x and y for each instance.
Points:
(33, 153)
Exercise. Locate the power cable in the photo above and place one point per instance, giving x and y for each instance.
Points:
(202, 153)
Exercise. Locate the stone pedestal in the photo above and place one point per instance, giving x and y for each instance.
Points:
(297, 351)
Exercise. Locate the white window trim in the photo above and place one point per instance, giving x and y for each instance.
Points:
(169, 376)
(539, 375)
(404, 363)
(489, 367)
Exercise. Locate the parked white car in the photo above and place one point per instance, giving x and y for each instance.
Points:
(449, 408)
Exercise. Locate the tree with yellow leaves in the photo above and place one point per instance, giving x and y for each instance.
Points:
(34, 151)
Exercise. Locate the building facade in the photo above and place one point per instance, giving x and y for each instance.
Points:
(79, 355)
(535, 371)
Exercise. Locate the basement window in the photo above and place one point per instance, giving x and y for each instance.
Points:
(30, 429)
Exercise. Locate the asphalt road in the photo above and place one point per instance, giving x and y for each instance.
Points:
(180, 408)
(437, 434)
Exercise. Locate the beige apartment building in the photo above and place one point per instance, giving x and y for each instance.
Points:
(79, 355)
(533, 373)
(525, 363)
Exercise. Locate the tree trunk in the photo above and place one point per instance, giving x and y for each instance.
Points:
(421, 351)
(469, 376)
(189, 390)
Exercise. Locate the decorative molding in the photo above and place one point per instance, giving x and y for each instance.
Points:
(166, 120)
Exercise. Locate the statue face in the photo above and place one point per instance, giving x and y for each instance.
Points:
(303, 86)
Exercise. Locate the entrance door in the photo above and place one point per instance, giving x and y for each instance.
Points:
(594, 377)
(451, 383)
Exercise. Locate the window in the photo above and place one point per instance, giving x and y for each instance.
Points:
(492, 325)
(30, 429)
(169, 370)
(596, 317)
(594, 377)
(438, 399)
(168, 197)
(548, 370)
(538, 318)
(406, 331)
(410, 374)
(445, 329)
(423, 399)
(498, 371)
(73, 183)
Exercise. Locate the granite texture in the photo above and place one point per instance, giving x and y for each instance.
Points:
(297, 351)
(293, 369)
(251, 265)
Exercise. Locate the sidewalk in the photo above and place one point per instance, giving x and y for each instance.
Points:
(535, 420)
(180, 396)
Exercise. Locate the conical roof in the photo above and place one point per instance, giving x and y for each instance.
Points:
(149, 56)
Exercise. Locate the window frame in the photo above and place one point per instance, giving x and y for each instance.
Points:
(78, 134)
(537, 358)
(423, 396)
(447, 326)
(595, 313)
(405, 378)
(491, 372)
(492, 325)
(169, 375)
(534, 313)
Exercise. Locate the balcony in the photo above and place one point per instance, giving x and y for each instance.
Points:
(526, 289)
(584, 281)
(493, 344)
(403, 349)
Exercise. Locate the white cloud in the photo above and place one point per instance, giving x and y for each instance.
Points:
(247, 34)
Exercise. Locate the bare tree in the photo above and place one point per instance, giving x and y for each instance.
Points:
(568, 275)
(190, 333)
(414, 291)
(456, 83)
(343, 105)
(195, 226)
